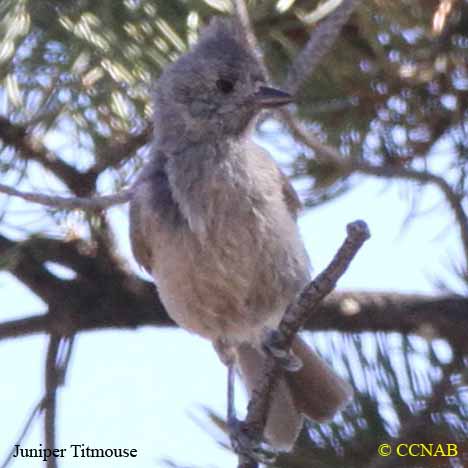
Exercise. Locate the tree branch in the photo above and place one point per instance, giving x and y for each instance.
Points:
(80, 183)
(115, 298)
(443, 317)
(428, 316)
(322, 150)
(70, 203)
(319, 44)
(57, 360)
(21, 260)
(18, 137)
(294, 318)
(49, 406)
(116, 154)
(398, 172)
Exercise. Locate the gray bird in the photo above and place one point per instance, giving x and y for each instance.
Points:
(213, 220)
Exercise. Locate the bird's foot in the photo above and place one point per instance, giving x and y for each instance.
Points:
(225, 351)
(243, 444)
(273, 344)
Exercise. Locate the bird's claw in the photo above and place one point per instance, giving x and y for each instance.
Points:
(273, 344)
(244, 445)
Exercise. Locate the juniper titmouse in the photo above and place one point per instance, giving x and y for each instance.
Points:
(213, 220)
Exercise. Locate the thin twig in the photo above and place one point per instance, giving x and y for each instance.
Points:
(58, 357)
(70, 203)
(296, 315)
(322, 150)
(36, 410)
(454, 200)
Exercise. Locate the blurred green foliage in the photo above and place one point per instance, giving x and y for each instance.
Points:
(394, 84)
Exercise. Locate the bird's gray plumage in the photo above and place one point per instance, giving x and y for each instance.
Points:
(213, 218)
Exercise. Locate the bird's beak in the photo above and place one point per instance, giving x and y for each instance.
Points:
(267, 97)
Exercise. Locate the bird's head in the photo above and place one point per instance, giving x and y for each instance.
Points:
(215, 90)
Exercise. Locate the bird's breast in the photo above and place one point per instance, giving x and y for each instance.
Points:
(238, 260)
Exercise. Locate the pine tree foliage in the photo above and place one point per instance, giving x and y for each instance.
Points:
(390, 100)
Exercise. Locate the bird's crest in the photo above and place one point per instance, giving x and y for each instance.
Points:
(220, 28)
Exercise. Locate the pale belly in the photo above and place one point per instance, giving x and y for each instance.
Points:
(235, 281)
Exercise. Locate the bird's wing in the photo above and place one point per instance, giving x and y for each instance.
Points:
(152, 210)
(290, 196)
(138, 242)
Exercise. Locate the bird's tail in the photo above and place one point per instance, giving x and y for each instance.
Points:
(315, 391)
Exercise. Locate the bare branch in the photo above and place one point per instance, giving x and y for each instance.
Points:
(120, 299)
(416, 314)
(116, 153)
(24, 327)
(399, 172)
(294, 318)
(443, 317)
(57, 360)
(49, 406)
(70, 203)
(19, 138)
(58, 357)
(319, 44)
(322, 150)
(36, 410)
(21, 260)
(80, 183)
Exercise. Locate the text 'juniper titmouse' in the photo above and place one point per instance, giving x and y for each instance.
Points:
(213, 219)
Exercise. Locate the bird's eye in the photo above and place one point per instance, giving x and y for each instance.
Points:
(224, 85)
